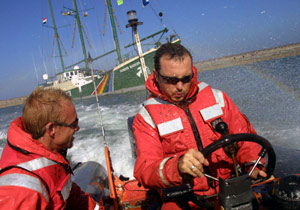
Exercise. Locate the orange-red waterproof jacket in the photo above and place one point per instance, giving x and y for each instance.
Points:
(33, 177)
(163, 132)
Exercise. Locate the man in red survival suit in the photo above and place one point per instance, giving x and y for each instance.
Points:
(177, 119)
(35, 173)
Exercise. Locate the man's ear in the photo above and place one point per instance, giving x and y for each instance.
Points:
(50, 129)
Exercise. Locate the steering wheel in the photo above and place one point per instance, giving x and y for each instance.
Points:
(225, 140)
(234, 138)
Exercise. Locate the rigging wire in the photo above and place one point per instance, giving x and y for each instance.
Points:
(74, 30)
(97, 100)
(99, 26)
(93, 33)
(157, 16)
(53, 44)
(67, 22)
(43, 31)
(55, 66)
(46, 70)
(104, 21)
(87, 39)
(36, 73)
(165, 19)
(75, 55)
(46, 41)
(110, 169)
(115, 17)
(61, 43)
(83, 9)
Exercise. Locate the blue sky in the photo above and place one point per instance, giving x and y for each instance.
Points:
(209, 28)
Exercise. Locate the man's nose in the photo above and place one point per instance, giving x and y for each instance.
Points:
(77, 128)
(179, 85)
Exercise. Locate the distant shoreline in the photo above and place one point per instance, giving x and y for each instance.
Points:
(217, 63)
(249, 57)
(12, 102)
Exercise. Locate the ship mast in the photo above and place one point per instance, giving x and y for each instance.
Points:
(113, 25)
(57, 37)
(81, 35)
(133, 23)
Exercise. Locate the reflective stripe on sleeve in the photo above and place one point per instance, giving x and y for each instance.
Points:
(160, 170)
(170, 126)
(67, 189)
(146, 116)
(97, 207)
(26, 181)
(36, 164)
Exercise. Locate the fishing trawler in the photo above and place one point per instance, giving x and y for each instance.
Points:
(128, 73)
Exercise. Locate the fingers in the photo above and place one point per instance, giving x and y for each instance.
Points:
(271, 178)
(258, 173)
(192, 163)
(262, 173)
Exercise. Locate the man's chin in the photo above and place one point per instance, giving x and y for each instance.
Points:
(69, 145)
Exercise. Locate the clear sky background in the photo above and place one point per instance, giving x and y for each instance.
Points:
(209, 28)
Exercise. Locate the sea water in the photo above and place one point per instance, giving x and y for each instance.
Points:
(268, 93)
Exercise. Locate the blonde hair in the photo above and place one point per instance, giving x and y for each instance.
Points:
(41, 107)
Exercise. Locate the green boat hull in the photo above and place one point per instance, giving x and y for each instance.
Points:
(129, 74)
(88, 89)
(124, 76)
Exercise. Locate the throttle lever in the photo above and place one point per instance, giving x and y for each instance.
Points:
(230, 150)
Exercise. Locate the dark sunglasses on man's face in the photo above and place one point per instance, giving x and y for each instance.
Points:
(175, 80)
(73, 125)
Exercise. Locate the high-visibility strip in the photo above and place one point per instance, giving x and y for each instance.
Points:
(26, 181)
(170, 126)
(152, 101)
(97, 207)
(148, 119)
(36, 164)
(219, 97)
(202, 85)
(160, 171)
(211, 112)
(67, 189)
(176, 124)
(218, 94)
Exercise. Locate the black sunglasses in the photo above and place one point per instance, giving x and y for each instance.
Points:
(175, 80)
(73, 125)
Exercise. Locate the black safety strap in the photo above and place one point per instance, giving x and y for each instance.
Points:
(194, 128)
(66, 167)
(17, 148)
(198, 141)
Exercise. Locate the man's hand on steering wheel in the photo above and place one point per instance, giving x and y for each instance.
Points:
(192, 163)
(257, 174)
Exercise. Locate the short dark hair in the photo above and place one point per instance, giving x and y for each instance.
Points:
(171, 49)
